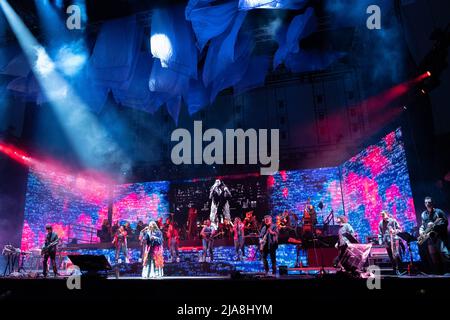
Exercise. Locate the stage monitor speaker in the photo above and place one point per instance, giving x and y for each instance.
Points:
(90, 263)
(283, 270)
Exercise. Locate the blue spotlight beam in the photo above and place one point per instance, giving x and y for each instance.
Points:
(90, 141)
(50, 21)
(67, 48)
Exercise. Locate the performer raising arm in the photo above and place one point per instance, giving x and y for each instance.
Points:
(220, 207)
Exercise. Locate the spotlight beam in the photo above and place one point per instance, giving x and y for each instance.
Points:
(90, 141)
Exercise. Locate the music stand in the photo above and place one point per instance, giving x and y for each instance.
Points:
(412, 271)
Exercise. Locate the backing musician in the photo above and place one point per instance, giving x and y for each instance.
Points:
(49, 250)
(192, 223)
(434, 248)
(345, 232)
(207, 240)
(238, 236)
(142, 243)
(250, 223)
(120, 242)
(388, 229)
(268, 238)
(173, 238)
(309, 220)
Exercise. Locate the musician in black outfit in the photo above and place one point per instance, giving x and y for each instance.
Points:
(268, 238)
(51, 241)
(434, 250)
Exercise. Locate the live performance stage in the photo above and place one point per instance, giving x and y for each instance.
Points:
(225, 158)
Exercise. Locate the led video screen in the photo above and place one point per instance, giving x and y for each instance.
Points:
(294, 190)
(248, 193)
(377, 179)
(74, 205)
(140, 201)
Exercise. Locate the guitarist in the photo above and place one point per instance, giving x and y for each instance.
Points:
(388, 228)
(268, 239)
(207, 235)
(49, 250)
(434, 250)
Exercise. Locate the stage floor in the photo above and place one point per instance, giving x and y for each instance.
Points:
(241, 288)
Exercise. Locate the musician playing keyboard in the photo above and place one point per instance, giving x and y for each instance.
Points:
(49, 250)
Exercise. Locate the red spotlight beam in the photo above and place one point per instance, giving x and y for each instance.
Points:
(16, 154)
(50, 165)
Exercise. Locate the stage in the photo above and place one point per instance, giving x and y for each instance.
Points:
(239, 288)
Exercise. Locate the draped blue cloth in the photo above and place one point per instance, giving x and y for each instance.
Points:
(255, 74)
(171, 24)
(221, 52)
(197, 97)
(193, 4)
(236, 69)
(171, 75)
(17, 66)
(8, 54)
(173, 107)
(271, 4)
(115, 53)
(300, 27)
(138, 94)
(209, 22)
(92, 94)
(166, 80)
(138, 80)
(26, 87)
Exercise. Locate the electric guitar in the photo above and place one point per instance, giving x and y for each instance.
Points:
(263, 241)
(428, 231)
(46, 248)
